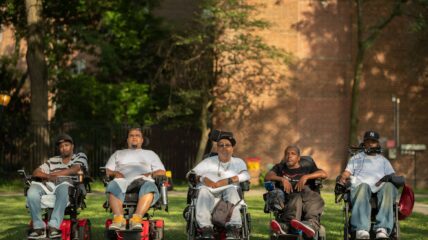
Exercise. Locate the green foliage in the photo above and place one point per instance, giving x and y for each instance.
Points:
(83, 98)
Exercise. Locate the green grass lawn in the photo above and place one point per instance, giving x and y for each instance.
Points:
(14, 218)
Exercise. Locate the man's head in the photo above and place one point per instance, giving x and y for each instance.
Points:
(135, 138)
(292, 156)
(65, 145)
(371, 140)
(225, 145)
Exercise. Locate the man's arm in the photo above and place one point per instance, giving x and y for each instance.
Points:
(315, 175)
(114, 174)
(67, 172)
(344, 177)
(159, 173)
(40, 174)
(272, 176)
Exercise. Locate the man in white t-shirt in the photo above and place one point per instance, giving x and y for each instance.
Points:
(126, 166)
(218, 177)
(365, 170)
(66, 164)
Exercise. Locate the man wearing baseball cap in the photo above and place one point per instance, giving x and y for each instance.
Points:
(217, 176)
(367, 172)
(66, 164)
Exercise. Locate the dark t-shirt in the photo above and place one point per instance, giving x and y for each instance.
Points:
(295, 174)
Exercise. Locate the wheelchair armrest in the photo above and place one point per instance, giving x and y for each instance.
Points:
(104, 178)
(192, 178)
(245, 186)
(160, 179)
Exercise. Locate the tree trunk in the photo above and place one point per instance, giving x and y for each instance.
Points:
(37, 71)
(363, 45)
(203, 126)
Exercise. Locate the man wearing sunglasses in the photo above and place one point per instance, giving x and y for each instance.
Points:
(218, 177)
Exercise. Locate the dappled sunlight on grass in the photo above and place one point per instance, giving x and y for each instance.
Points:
(14, 218)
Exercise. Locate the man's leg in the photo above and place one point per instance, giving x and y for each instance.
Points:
(385, 200)
(361, 208)
(204, 206)
(116, 198)
(147, 196)
(313, 206)
(293, 208)
(34, 195)
(232, 195)
(61, 195)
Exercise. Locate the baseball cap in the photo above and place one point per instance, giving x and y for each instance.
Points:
(228, 136)
(63, 137)
(371, 135)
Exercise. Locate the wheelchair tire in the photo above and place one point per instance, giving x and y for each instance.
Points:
(191, 224)
(84, 232)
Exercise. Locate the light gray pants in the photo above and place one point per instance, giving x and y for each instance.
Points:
(34, 196)
(206, 202)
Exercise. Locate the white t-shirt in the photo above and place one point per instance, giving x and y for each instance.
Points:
(134, 162)
(215, 170)
(368, 169)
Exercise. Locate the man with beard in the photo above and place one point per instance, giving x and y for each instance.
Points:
(303, 206)
(50, 172)
(370, 174)
(133, 165)
(217, 177)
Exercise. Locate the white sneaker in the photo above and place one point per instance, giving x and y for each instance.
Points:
(362, 234)
(381, 233)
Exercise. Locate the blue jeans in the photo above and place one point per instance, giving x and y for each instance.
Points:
(147, 187)
(34, 195)
(361, 208)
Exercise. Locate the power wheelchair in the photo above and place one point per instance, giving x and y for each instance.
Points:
(72, 228)
(153, 229)
(189, 214)
(275, 205)
(343, 192)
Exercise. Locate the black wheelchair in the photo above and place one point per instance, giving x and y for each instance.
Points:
(72, 227)
(153, 229)
(344, 193)
(189, 214)
(275, 206)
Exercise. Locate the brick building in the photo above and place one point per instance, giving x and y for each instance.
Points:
(311, 107)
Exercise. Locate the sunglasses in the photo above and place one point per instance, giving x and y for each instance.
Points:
(224, 145)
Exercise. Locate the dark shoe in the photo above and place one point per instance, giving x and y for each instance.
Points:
(54, 233)
(207, 233)
(37, 234)
(306, 228)
(233, 232)
(278, 228)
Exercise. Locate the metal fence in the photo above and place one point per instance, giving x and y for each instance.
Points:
(176, 147)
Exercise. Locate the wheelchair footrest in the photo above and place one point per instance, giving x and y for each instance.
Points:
(152, 229)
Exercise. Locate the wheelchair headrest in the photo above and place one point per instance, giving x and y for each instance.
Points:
(307, 161)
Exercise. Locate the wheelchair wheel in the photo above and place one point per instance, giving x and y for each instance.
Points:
(84, 231)
(246, 223)
(191, 223)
